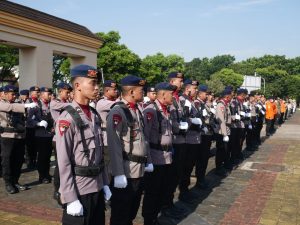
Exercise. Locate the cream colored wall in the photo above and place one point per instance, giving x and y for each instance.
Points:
(36, 60)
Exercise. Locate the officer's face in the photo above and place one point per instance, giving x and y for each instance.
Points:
(202, 95)
(178, 82)
(138, 93)
(10, 96)
(168, 95)
(24, 97)
(35, 94)
(151, 95)
(88, 87)
(64, 94)
(112, 92)
(46, 96)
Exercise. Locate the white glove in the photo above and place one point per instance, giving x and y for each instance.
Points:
(259, 106)
(262, 112)
(120, 181)
(245, 104)
(264, 106)
(75, 208)
(215, 104)
(30, 105)
(213, 111)
(146, 99)
(92, 104)
(196, 121)
(205, 130)
(149, 168)
(237, 117)
(225, 138)
(248, 115)
(188, 104)
(250, 127)
(242, 113)
(107, 192)
(204, 112)
(183, 125)
(43, 123)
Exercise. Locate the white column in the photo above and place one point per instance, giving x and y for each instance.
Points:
(36, 66)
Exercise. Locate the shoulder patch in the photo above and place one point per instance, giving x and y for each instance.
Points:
(63, 126)
(149, 116)
(117, 119)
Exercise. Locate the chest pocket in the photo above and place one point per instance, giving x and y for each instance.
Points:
(89, 138)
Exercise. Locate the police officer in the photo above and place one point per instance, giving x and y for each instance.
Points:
(40, 118)
(24, 95)
(158, 132)
(129, 152)
(56, 107)
(223, 118)
(150, 96)
(207, 116)
(260, 111)
(12, 138)
(103, 106)
(34, 93)
(192, 137)
(83, 179)
(250, 138)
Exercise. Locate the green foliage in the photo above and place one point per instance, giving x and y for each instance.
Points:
(155, 68)
(228, 77)
(116, 59)
(9, 57)
(215, 85)
(61, 69)
(201, 69)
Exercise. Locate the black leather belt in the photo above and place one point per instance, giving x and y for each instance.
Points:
(134, 158)
(88, 171)
(165, 148)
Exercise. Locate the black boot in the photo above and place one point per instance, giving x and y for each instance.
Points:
(11, 189)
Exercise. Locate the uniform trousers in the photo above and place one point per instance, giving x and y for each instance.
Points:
(125, 202)
(12, 154)
(44, 149)
(93, 211)
(177, 171)
(203, 157)
(258, 128)
(235, 141)
(31, 152)
(268, 126)
(56, 179)
(222, 153)
(189, 156)
(156, 189)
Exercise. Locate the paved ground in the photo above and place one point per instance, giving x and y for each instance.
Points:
(264, 190)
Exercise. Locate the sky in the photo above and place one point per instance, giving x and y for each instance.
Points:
(189, 28)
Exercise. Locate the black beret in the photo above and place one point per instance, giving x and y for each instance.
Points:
(63, 85)
(10, 88)
(151, 89)
(226, 92)
(165, 86)
(191, 82)
(175, 75)
(84, 71)
(34, 88)
(203, 88)
(131, 80)
(45, 89)
(24, 92)
(110, 83)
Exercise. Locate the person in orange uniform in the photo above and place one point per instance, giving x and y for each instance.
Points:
(270, 115)
(282, 111)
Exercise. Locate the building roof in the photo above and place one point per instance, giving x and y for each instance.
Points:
(41, 17)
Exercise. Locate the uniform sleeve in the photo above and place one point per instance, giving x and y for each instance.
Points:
(58, 106)
(64, 145)
(174, 119)
(114, 126)
(220, 116)
(15, 107)
(149, 118)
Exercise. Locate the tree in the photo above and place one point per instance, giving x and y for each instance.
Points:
(215, 85)
(155, 68)
(229, 78)
(9, 57)
(116, 59)
(61, 69)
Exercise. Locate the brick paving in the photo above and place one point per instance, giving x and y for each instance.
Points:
(263, 190)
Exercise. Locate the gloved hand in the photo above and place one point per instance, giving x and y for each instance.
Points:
(183, 125)
(237, 117)
(149, 168)
(92, 104)
(204, 112)
(263, 112)
(205, 130)
(146, 99)
(242, 113)
(120, 181)
(250, 127)
(259, 106)
(196, 121)
(43, 123)
(188, 104)
(213, 110)
(245, 104)
(248, 115)
(107, 192)
(215, 104)
(225, 138)
(30, 105)
(75, 208)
